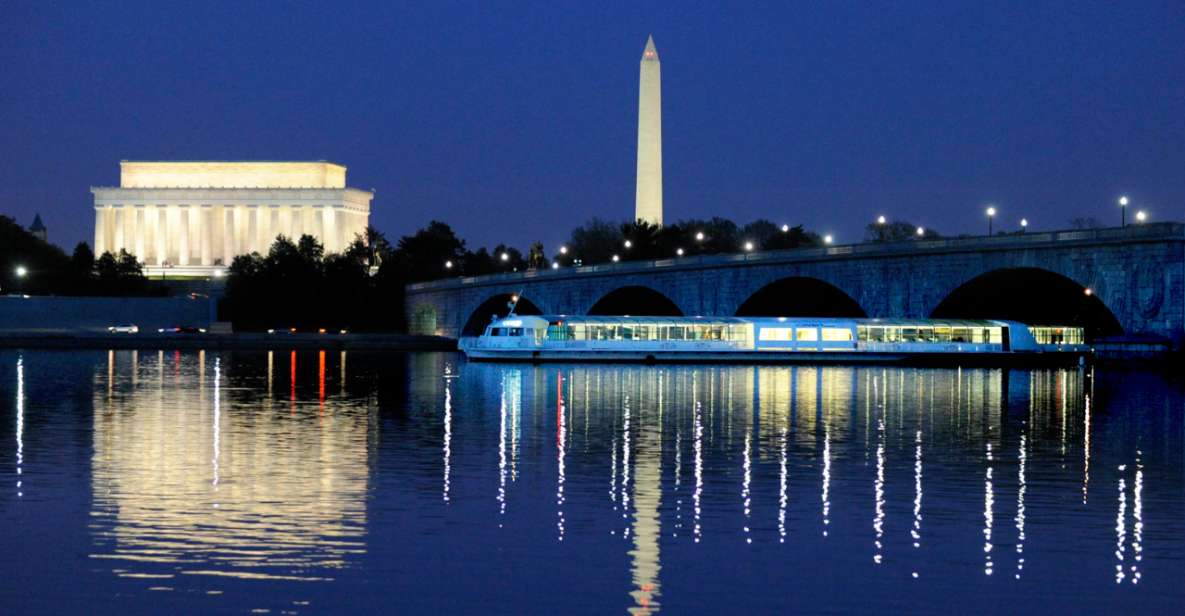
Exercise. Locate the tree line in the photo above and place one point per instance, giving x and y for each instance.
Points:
(48, 270)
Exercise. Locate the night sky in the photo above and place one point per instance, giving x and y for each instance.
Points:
(515, 123)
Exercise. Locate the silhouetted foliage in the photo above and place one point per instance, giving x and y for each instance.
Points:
(298, 285)
(49, 271)
(897, 231)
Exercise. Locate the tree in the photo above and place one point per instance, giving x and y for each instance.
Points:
(792, 237)
(898, 231)
(425, 254)
(596, 241)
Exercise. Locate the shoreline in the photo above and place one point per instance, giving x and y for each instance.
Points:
(241, 341)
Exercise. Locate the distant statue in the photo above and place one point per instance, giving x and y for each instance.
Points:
(536, 258)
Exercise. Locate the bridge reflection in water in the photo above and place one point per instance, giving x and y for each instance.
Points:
(797, 424)
(230, 466)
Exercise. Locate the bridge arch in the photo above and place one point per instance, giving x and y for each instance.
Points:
(800, 296)
(1030, 295)
(635, 300)
(498, 305)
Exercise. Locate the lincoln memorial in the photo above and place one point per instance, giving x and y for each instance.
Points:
(192, 218)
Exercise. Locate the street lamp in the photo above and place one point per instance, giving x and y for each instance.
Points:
(1141, 216)
(785, 228)
(563, 250)
(699, 236)
(555, 265)
(991, 214)
(21, 271)
(827, 239)
(448, 265)
(880, 220)
(1024, 224)
(748, 246)
(921, 231)
(1123, 211)
(629, 244)
(679, 252)
(616, 258)
(504, 257)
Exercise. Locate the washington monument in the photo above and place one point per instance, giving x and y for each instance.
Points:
(648, 199)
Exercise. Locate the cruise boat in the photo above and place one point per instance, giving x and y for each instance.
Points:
(768, 339)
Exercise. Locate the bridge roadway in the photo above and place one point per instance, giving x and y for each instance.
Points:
(1137, 272)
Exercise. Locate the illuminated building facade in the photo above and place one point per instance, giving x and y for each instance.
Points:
(192, 218)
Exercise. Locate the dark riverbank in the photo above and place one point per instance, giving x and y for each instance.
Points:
(103, 340)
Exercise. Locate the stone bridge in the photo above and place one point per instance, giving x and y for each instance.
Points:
(1125, 280)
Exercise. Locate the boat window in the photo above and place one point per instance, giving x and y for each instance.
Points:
(995, 335)
(514, 331)
(497, 331)
(808, 333)
(837, 334)
(1057, 335)
(775, 334)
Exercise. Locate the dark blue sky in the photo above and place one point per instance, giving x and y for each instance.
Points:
(516, 122)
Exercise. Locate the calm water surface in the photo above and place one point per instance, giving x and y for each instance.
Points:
(164, 482)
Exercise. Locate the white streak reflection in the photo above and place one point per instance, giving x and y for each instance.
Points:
(878, 519)
(561, 441)
(916, 532)
(20, 426)
(783, 499)
(1022, 482)
(1138, 520)
(502, 454)
(747, 480)
(1085, 448)
(448, 429)
(217, 419)
(989, 499)
(1121, 528)
(696, 496)
(826, 495)
(625, 460)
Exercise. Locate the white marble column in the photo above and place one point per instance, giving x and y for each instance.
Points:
(207, 231)
(161, 233)
(228, 235)
(138, 229)
(99, 230)
(183, 235)
(329, 229)
(117, 223)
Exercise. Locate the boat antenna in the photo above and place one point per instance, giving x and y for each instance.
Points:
(513, 303)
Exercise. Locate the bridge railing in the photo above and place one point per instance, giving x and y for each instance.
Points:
(1170, 231)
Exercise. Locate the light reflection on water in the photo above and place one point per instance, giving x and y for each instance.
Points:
(290, 483)
(183, 487)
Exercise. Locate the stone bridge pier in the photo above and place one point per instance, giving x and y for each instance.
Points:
(1134, 277)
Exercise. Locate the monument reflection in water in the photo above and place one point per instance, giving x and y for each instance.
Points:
(207, 478)
(282, 481)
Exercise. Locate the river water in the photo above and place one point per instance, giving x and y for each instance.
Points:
(239, 482)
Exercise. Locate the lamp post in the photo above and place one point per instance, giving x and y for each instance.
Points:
(785, 228)
(21, 272)
(1024, 224)
(1123, 211)
(1141, 216)
(991, 214)
(921, 231)
(827, 239)
(880, 220)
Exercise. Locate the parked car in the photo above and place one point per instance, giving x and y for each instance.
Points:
(124, 329)
(182, 329)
